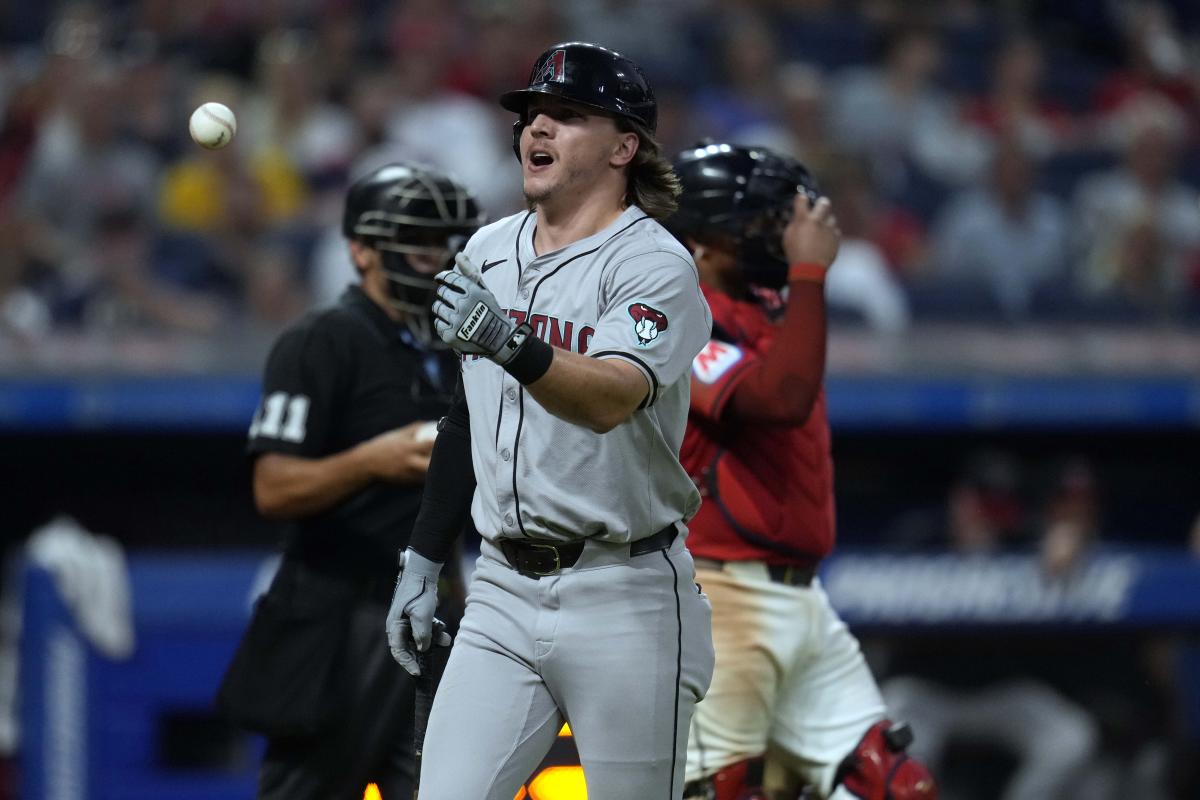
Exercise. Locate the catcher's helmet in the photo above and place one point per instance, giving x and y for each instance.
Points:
(407, 210)
(590, 75)
(745, 193)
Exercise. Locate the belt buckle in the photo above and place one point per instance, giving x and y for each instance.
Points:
(557, 561)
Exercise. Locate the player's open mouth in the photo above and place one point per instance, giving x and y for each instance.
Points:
(539, 159)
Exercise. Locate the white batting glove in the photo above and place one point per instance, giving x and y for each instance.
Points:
(410, 621)
(467, 316)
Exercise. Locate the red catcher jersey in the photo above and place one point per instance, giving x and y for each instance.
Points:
(767, 489)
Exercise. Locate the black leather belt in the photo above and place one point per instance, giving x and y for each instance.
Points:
(535, 558)
(787, 574)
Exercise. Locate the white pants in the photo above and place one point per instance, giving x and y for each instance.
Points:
(619, 647)
(789, 675)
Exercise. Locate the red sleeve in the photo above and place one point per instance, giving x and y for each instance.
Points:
(782, 387)
(716, 372)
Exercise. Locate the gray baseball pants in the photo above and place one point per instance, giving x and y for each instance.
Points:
(619, 647)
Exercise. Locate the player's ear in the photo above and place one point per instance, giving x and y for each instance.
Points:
(624, 149)
(361, 254)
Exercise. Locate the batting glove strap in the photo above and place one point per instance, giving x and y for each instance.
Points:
(524, 356)
(420, 565)
(490, 333)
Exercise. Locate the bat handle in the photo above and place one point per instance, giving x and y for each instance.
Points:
(423, 703)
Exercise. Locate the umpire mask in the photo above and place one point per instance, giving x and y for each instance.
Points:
(417, 218)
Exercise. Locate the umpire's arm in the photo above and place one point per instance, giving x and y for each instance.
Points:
(446, 501)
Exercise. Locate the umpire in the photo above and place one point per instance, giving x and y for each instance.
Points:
(341, 444)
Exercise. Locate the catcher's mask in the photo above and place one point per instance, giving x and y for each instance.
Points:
(745, 194)
(406, 211)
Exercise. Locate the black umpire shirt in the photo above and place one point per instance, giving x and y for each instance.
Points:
(336, 378)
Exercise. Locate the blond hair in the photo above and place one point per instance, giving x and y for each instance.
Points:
(652, 185)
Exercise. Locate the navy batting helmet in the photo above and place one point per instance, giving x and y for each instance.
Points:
(590, 75)
(746, 194)
(407, 210)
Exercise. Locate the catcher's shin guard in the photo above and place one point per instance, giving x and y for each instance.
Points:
(740, 781)
(880, 769)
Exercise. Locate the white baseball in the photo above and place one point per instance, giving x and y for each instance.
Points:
(212, 125)
(427, 432)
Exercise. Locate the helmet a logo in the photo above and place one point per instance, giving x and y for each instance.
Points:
(648, 322)
(554, 69)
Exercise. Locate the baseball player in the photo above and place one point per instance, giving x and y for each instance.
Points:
(339, 453)
(790, 679)
(577, 322)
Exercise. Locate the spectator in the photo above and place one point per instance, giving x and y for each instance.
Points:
(275, 293)
(290, 115)
(1006, 239)
(152, 87)
(500, 55)
(802, 130)
(1014, 106)
(899, 233)
(25, 95)
(339, 54)
(111, 287)
(996, 704)
(1156, 66)
(650, 31)
(24, 314)
(1071, 519)
(894, 113)
(428, 117)
(81, 165)
(748, 94)
(861, 281)
(1138, 224)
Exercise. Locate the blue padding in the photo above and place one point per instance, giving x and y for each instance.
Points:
(1112, 589)
(226, 404)
(92, 727)
(995, 402)
(130, 403)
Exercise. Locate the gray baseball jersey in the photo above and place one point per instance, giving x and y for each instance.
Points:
(629, 292)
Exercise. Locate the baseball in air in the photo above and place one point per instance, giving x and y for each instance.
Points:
(212, 125)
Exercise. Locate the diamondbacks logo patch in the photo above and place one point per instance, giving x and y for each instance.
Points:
(648, 322)
(554, 69)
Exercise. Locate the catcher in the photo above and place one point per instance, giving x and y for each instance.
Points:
(790, 680)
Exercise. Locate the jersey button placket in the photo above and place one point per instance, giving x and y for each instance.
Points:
(528, 278)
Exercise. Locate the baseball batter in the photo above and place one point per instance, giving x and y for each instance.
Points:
(790, 679)
(578, 322)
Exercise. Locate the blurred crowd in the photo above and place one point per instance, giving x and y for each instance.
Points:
(989, 161)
